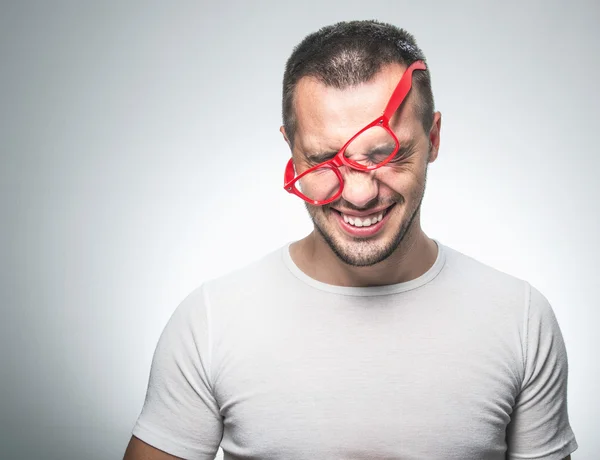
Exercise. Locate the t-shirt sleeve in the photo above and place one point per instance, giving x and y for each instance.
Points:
(180, 415)
(539, 428)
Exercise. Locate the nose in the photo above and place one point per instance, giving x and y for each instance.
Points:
(360, 187)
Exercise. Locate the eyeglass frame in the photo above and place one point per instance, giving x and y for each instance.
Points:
(396, 99)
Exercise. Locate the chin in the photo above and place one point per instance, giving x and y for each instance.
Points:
(363, 252)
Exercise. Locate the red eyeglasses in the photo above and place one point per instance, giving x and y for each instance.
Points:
(323, 183)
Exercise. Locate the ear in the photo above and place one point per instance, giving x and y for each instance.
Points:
(282, 131)
(434, 136)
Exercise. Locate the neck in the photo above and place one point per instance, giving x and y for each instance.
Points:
(413, 257)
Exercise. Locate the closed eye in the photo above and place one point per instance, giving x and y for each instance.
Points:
(402, 154)
(375, 157)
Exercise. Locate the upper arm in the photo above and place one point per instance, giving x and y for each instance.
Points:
(139, 450)
(539, 425)
(180, 413)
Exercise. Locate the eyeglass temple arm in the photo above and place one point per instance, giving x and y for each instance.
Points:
(402, 89)
(289, 172)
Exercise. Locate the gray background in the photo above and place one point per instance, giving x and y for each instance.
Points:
(140, 155)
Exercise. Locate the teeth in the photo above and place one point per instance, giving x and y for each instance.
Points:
(365, 222)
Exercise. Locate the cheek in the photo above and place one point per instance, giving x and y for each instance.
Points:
(405, 180)
(318, 213)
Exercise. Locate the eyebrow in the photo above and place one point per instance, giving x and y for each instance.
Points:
(321, 157)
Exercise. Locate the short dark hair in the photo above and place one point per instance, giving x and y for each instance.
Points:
(349, 53)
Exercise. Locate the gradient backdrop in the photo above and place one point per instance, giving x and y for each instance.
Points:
(140, 155)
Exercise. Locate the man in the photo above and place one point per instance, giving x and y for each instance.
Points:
(367, 339)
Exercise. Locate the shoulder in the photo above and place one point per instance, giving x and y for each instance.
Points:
(229, 290)
(507, 299)
(482, 280)
(478, 277)
(267, 271)
(240, 294)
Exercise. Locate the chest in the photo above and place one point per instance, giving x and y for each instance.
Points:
(376, 390)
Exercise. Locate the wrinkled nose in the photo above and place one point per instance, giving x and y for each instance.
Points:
(360, 188)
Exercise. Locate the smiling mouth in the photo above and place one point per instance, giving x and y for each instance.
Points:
(364, 221)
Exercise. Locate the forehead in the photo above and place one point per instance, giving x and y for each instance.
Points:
(327, 116)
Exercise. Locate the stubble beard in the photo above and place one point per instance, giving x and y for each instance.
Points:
(365, 252)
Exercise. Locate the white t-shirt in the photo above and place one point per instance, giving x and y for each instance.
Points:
(464, 362)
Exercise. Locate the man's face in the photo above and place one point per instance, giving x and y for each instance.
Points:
(326, 118)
